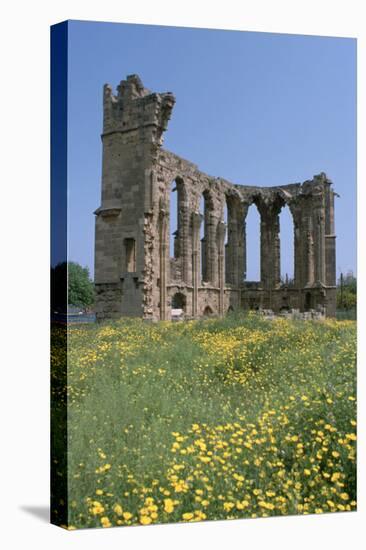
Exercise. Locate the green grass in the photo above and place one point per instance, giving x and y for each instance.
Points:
(257, 415)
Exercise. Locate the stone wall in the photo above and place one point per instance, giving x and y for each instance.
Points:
(206, 274)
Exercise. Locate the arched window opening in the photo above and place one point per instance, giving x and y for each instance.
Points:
(226, 222)
(208, 312)
(286, 247)
(202, 212)
(252, 228)
(173, 221)
(178, 306)
(130, 255)
(179, 301)
(226, 246)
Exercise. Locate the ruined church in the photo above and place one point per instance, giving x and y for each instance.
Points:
(136, 273)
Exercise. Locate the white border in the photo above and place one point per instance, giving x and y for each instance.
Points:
(25, 260)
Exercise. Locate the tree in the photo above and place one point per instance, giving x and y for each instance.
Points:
(347, 291)
(80, 287)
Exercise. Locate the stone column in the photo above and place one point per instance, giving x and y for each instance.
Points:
(276, 250)
(319, 219)
(231, 268)
(264, 268)
(268, 255)
(242, 254)
(211, 250)
(330, 238)
(196, 224)
(184, 238)
(270, 249)
(164, 247)
(306, 238)
(297, 249)
(221, 230)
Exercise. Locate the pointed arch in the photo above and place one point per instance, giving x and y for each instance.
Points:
(173, 219)
(287, 246)
(208, 312)
(178, 197)
(252, 229)
(207, 236)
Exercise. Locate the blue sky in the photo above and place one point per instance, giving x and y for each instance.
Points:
(254, 108)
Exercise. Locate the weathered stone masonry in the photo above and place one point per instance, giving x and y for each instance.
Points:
(134, 274)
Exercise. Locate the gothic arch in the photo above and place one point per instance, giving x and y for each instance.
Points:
(208, 240)
(253, 207)
(208, 311)
(178, 199)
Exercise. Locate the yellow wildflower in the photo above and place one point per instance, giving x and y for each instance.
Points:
(335, 476)
(145, 520)
(118, 509)
(168, 505)
(105, 521)
(267, 505)
(97, 508)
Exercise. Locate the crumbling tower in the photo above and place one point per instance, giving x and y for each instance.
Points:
(134, 121)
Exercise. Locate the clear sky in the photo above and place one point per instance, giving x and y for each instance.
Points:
(254, 108)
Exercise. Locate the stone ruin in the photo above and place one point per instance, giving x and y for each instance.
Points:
(134, 273)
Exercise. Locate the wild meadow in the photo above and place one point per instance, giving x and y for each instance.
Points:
(239, 417)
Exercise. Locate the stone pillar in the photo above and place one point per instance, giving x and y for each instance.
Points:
(276, 251)
(330, 238)
(310, 264)
(297, 251)
(184, 241)
(269, 247)
(242, 254)
(304, 243)
(196, 224)
(164, 248)
(221, 230)
(319, 226)
(231, 268)
(211, 250)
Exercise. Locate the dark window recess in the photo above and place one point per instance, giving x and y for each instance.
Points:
(130, 254)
